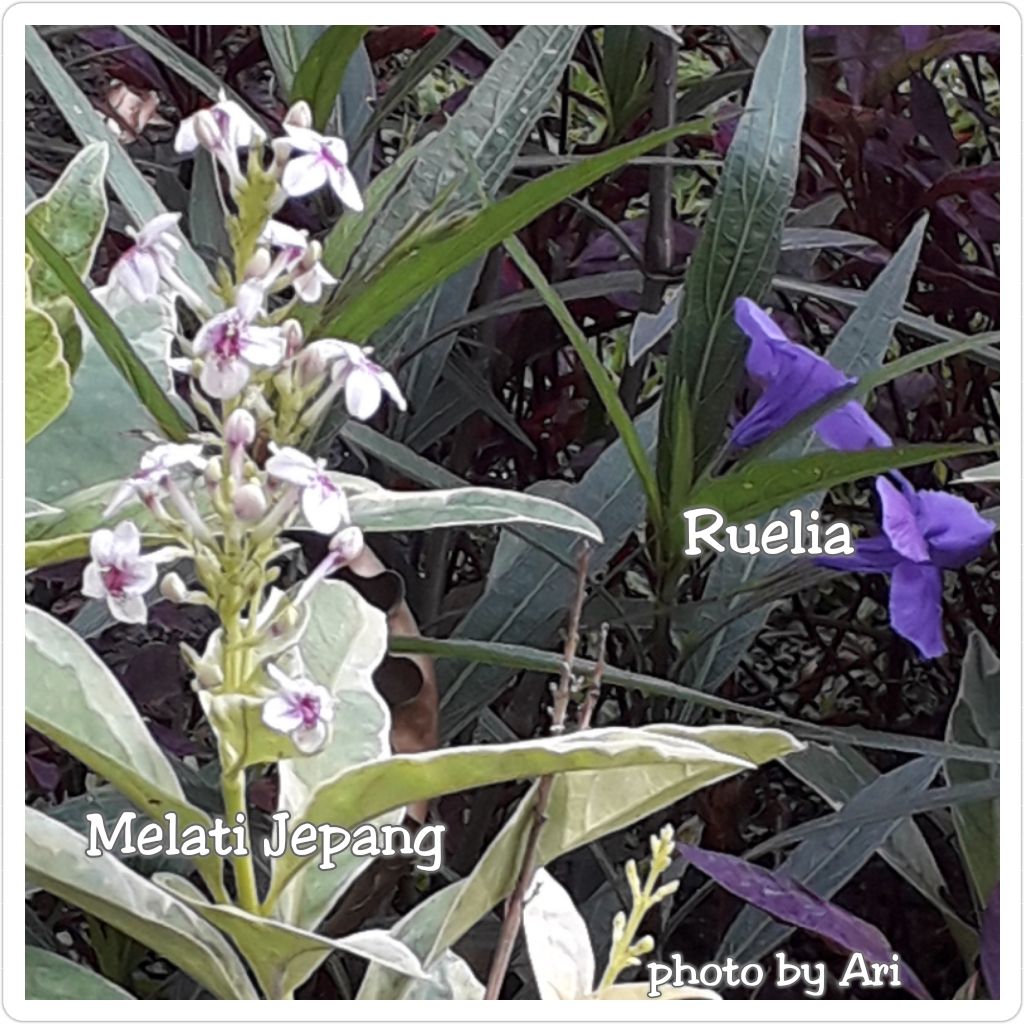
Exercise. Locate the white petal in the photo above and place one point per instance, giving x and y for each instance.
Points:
(125, 274)
(304, 139)
(210, 333)
(249, 300)
(280, 714)
(337, 148)
(362, 393)
(130, 608)
(308, 285)
(390, 386)
(223, 379)
(150, 233)
(142, 575)
(262, 346)
(279, 235)
(324, 510)
(185, 141)
(309, 741)
(101, 546)
(242, 130)
(345, 188)
(125, 542)
(331, 348)
(92, 581)
(148, 270)
(304, 174)
(293, 466)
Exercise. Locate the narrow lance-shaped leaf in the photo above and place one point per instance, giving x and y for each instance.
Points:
(319, 76)
(736, 255)
(789, 901)
(51, 976)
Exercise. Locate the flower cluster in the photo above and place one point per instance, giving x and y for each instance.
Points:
(226, 498)
(923, 532)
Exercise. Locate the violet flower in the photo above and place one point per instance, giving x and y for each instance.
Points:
(140, 270)
(297, 258)
(365, 382)
(231, 346)
(324, 161)
(301, 708)
(792, 379)
(154, 473)
(323, 502)
(120, 573)
(923, 533)
(222, 129)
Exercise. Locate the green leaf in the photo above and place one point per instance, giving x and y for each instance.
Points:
(532, 577)
(478, 37)
(826, 862)
(55, 860)
(380, 511)
(73, 699)
(344, 641)
(71, 217)
(975, 719)
(583, 807)
(136, 194)
(736, 255)
(319, 76)
(599, 376)
(363, 792)
(281, 956)
(49, 976)
(112, 340)
(378, 295)
(762, 486)
(47, 375)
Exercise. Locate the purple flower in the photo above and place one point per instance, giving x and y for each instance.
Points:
(301, 708)
(923, 533)
(120, 574)
(150, 260)
(792, 379)
(324, 161)
(231, 345)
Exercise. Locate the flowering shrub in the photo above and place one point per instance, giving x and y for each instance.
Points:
(311, 305)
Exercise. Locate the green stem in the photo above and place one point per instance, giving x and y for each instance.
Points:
(233, 787)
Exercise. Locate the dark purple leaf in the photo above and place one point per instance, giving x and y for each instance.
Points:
(990, 944)
(793, 903)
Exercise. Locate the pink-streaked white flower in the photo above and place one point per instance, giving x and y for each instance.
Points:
(364, 381)
(154, 472)
(309, 280)
(298, 258)
(119, 573)
(231, 345)
(301, 708)
(323, 502)
(222, 129)
(324, 161)
(150, 261)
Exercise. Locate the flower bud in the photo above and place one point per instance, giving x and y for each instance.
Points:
(239, 429)
(250, 503)
(643, 946)
(299, 115)
(213, 474)
(292, 331)
(311, 257)
(172, 588)
(207, 131)
(310, 365)
(347, 544)
(259, 264)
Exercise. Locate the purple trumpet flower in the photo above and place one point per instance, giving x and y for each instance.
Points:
(792, 379)
(923, 533)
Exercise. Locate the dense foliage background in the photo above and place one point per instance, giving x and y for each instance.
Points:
(899, 121)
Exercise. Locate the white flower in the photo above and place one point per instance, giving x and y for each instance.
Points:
(309, 282)
(323, 502)
(301, 708)
(151, 259)
(155, 468)
(222, 129)
(230, 345)
(120, 573)
(365, 382)
(324, 160)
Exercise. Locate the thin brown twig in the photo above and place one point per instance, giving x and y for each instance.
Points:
(513, 919)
